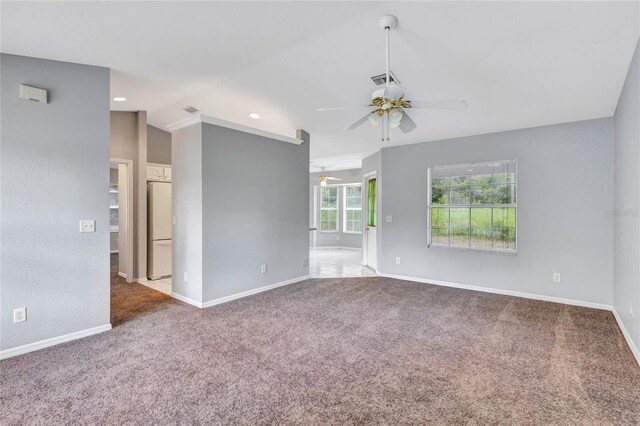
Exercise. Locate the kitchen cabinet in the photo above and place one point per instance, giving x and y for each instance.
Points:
(158, 173)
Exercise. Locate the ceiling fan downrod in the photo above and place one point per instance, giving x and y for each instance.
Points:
(387, 22)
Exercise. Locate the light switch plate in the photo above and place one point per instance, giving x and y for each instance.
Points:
(88, 225)
(388, 218)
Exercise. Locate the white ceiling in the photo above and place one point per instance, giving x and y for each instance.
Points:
(518, 64)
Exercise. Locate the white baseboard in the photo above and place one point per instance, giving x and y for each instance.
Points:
(122, 274)
(141, 280)
(30, 347)
(186, 299)
(627, 336)
(254, 291)
(501, 291)
(334, 248)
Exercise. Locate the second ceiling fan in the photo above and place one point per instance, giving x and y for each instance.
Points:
(388, 104)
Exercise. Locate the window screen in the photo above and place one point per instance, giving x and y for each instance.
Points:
(474, 206)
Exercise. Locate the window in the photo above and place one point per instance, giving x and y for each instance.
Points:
(329, 209)
(474, 206)
(353, 209)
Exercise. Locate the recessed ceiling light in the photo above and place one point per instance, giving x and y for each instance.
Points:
(119, 99)
(254, 115)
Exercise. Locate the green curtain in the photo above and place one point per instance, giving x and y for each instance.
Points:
(371, 203)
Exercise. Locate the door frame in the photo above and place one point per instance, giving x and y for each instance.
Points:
(128, 272)
(365, 214)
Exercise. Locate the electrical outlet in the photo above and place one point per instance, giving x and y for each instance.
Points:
(631, 310)
(173, 220)
(87, 225)
(305, 263)
(186, 278)
(19, 315)
(397, 260)
(337, 237)
(263, 269)
(388, 218)
(557, 277)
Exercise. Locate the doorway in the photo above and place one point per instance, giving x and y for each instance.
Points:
(121, 218)
(370, 236)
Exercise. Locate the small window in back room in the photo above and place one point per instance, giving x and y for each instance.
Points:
(329, 209)
(353, 209)
(474, 206)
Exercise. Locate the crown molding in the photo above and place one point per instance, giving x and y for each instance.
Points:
(230, 125)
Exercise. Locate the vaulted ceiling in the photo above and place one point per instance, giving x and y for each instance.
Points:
(518, 64)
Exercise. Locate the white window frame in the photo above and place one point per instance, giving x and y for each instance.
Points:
(345, 208)
(337, 209)
(430, 243)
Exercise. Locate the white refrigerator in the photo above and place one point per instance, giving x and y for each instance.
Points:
(159, 221)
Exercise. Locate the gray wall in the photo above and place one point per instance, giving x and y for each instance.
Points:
(565, 185)
(158, 145)
(626, 288)
(328, 239)
(54, 172)
(186, 200)
(255, 203)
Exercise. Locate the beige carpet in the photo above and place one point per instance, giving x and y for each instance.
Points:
(334, 351)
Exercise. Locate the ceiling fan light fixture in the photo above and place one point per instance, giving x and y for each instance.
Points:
(254, 115)
(395, 115)
(323, 182)
(375, 118)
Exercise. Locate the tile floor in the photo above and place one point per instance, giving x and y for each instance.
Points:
(332, 263)
(322, 264)
(163, 285)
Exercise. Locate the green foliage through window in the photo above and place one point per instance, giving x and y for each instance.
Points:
(353, 208)
(329, 208)
(474, 205)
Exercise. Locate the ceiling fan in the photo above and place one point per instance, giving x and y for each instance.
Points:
(324, 179)
(388, 104)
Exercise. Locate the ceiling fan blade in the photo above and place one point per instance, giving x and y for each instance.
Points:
(333, 178)
(450, 105)
(360, 120)
(407, 124)
(343, 107)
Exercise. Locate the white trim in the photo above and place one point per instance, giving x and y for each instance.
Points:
(141, 280)
(501, 291)
(122, 274)
(234, 126)
(30, 347)
(254, 291)
(627, 336)
(334, 248)
(114, 251)
(186, 300)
